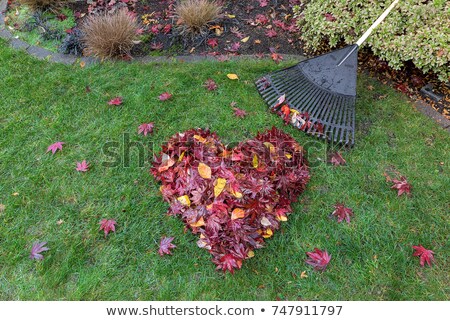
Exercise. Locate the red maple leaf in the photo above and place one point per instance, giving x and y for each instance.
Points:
(228, 263)
(402, 186)
(212, 42)
(319, 127)
(146, 128)
(210, 84)
(336, 159)
(342, 212)
(83, 166)
(37, 248)
(107, 226)
(240, 113)
(271, 33)
(116, 101)
(263, 3)
(276, 57)
(165, 245)
(54, 147)
(262, 19)
(329, 17)
(165, 96)
(426, 256)
(167, 28)
(155, 29)
(318, 259)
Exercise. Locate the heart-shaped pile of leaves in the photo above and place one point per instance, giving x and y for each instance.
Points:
(233, 198)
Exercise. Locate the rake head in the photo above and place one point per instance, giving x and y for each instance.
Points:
(320, 93)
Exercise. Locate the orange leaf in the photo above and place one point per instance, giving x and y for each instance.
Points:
(204, 170)
(200, 222)
(237, 213)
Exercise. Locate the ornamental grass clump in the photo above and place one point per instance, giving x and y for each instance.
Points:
(233, 199)
(195, 15)
(110, 35)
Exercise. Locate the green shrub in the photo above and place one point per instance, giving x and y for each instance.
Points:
(416, 30)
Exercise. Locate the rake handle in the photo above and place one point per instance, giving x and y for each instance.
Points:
(369, 31)
(376, 23)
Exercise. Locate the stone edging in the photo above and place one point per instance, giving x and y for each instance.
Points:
(44, 54)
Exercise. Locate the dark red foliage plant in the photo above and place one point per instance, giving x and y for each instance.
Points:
(232, 198)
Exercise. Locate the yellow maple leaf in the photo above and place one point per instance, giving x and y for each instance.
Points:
(244, 40)
(219, 186)
(250, 254)
(267, 233)
(184, 200)
(232, 76)
(255, 161)
(200, 138)
(181, 156)
(204, 170)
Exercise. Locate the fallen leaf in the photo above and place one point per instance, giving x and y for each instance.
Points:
(37, 248)
(82, 167)
(184, 200)
(107, 226)
(303, 275)
(165, 96)
(232, 76)
(199, 223)
(165, 245)
(146, 128)
(212, 42)
(255, 162)
(117, 101)
(204, 170)
(426, 256)
(82, 64)
(60, 221)
(210, 84)
(336, 159)
(342, 212)
(240, 113)
(237, 213)
(402, 186)
(55, 147)
(219, 186)
(244, 40)
(318, 259)
(2, 208)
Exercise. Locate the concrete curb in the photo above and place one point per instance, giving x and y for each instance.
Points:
(430, 112)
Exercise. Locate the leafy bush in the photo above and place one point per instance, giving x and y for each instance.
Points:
(416, 30)
(196, 14)
(36, 5)
(110, 35)
(233, 198)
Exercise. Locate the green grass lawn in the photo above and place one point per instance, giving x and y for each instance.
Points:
(41, 103)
